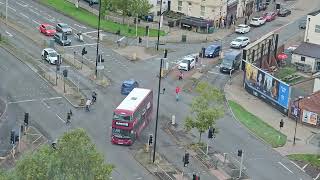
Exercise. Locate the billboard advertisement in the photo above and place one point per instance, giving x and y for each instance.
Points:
(266, 87)
(309, 117)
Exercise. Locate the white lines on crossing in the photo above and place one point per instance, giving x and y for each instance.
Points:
(285, 167)
(9, 34)
(34, 12)
(22, 4)
(36, 22)
(12, 9)
(46, 104)
(302, 169)
(24, 15)
(60, 118)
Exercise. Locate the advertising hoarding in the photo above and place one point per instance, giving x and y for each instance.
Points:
(310, 117)
(266, 87)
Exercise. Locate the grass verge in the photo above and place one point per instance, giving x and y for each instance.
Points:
(313, 159)
(258, 126)
(90, 19)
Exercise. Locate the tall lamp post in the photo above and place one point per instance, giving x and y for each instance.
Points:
(159, 25)
(297, 116)
(98, 40)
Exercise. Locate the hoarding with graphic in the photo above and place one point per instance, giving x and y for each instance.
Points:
(266, 87)
(309, 117)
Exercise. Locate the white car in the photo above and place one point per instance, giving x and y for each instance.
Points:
(242, 28)
(187, 63)
(240, 42)
(257, 21)
(50, 55)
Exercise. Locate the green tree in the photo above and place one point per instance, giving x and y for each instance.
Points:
(123, 7)
(205, 108)
(139, 8)
(106, 5)
(75, 158)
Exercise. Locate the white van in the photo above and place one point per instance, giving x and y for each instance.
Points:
(187, 63)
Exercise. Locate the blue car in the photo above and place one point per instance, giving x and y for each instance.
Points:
(212, 51)
(128, 86)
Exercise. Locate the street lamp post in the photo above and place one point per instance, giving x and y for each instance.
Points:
(297, 116)
(98, 40)
(159, 25)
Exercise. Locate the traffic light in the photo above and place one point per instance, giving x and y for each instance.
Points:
(140, 40)
(194, 176)
(186, 159)
(239, 152)
(281, 123)
(211, 133)
(26, 119)
(150, 139)
(12, 138)
(165, 53)
(84, 51)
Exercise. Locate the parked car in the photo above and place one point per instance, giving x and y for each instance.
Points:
(63, 28)
(257, 21)
(212, 51)
(62, 39)
(47, 29)
(93, 1)
(128, 85)
(240, 42)
(50, 55)
(242, 28)
(283, 12)
(187, 63)
(231, 61)
(268, 2)
(302, 24)
(269, 16)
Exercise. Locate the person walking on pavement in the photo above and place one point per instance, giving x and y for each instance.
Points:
(177, 93)
(181, 75)
(88, 103)
(94, 97)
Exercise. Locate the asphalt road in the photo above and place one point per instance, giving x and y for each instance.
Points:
(261, 161)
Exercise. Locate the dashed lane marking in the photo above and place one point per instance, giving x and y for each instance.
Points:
(36, 22)
(24, 15)
(12, 9)
(31, 10)
(23, 5)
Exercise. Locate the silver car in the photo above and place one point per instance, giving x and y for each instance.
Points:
(63, 28)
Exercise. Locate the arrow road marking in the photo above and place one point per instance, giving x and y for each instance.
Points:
(9, 34)
(285, 167)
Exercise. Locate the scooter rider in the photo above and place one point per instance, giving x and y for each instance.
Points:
(80, 38)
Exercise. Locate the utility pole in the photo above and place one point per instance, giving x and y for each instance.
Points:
(159, 25)
(6, 10)
(98, 40)
(241, 154)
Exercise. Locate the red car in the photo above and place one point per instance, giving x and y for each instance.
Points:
(47, 29)
(269, 16)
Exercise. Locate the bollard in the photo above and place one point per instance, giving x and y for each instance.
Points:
(173, 120)
(81, 102)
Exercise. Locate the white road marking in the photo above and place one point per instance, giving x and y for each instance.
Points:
(1, 3)
(51, 20)
(285, 167)
(93, 44)
(305, 166)
(302, 169)
(91, 32)
(52, 98)
(24, 15)
(22, 101)
(45, 104)
(23, 5)
(34, 12)
(36, 22)
(12, 9)
(80, 26)
(60, 118)
(9, 34)
(74, 29)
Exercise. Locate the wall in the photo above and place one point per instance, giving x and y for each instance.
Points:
(310, 35)
(310, 61)
(316, 85)
(213, 8)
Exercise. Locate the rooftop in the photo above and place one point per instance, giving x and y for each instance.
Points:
(308, 49)
(132, 101)
(311, 102)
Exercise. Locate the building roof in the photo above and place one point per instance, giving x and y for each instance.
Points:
(132, 101)
(194, 21)
(314, 13)
(308, 49)
(311, 102)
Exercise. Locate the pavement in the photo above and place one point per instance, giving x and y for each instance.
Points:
(305, 134)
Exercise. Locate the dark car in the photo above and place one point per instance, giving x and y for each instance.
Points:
(302, 24)
(62, 39)
(128, 85)
(283, 12)
(212, 51)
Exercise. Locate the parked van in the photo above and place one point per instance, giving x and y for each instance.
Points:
(231, 61)
(212, 51)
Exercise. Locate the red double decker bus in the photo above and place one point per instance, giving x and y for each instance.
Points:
(131, 116)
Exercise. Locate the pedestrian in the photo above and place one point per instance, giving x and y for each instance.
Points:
(177, 93)
(94, 97)
(90, 3)
(181, 75)
(245, 21)
(88, 103)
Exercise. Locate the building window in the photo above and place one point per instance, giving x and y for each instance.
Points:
(203, 10)
(179, 5)
(303, 59)
(317, 30)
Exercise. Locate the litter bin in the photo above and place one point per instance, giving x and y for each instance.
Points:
(184, 38)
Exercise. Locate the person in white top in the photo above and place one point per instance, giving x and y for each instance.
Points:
(88, 103)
